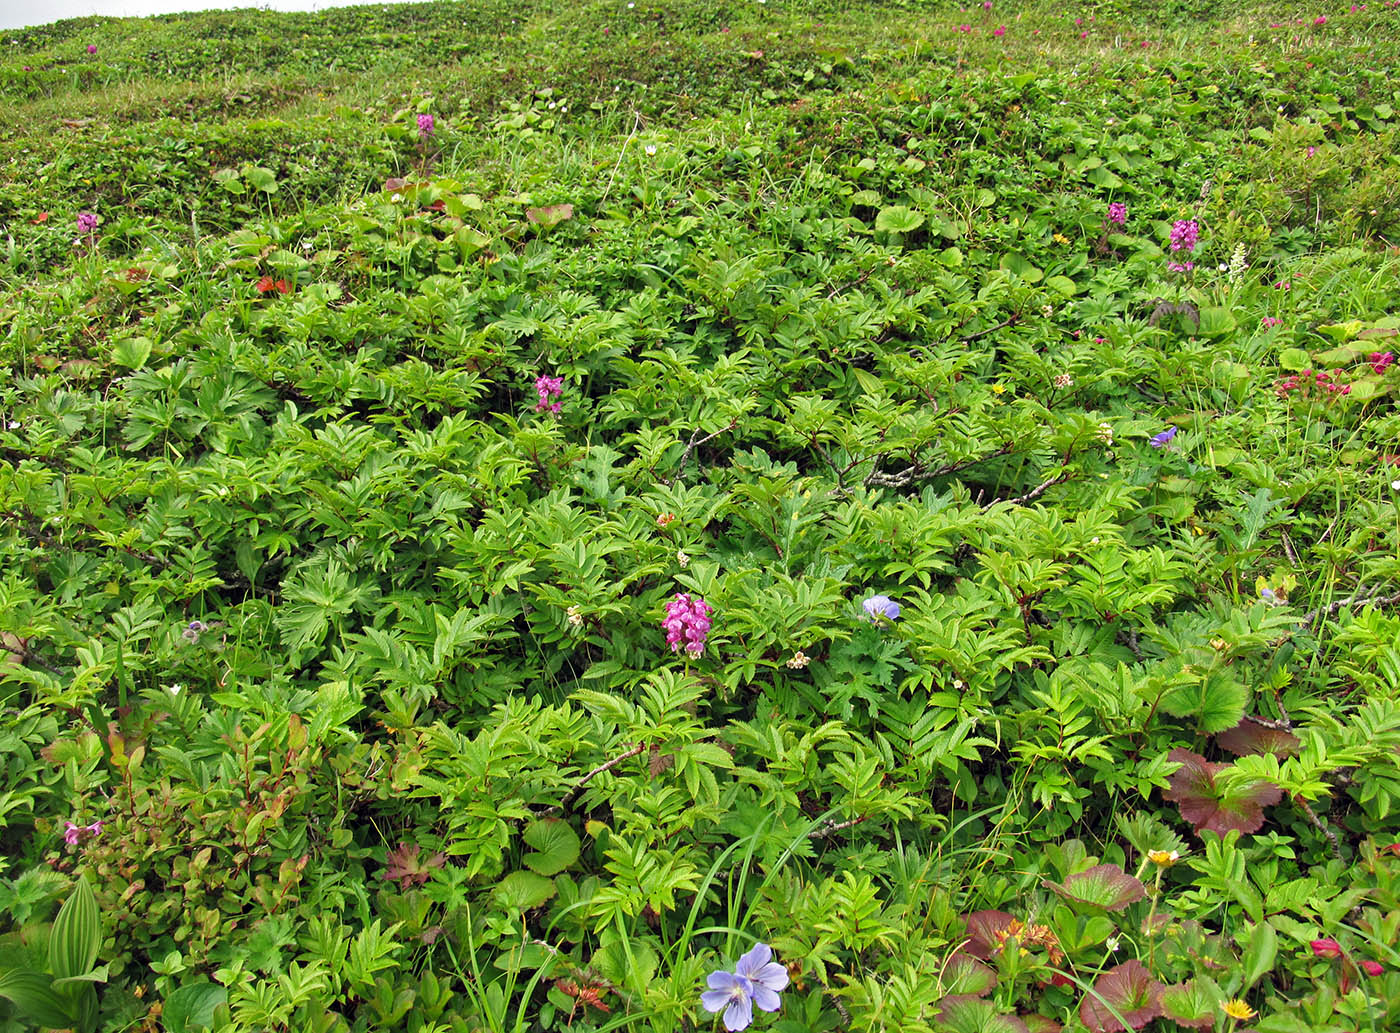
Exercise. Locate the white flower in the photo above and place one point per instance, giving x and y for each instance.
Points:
(174, 690)
(799, 660)
(651, 149)
(682, 559)
(1106, 433)
(575, 618)
(1394, 485)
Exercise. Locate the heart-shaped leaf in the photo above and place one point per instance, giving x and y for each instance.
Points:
(1194, 1003)
(549, 216)
(524, 890)
(1207, 806)
(965, 976)
(1104, 886)
(1130, 991)
(1249, 737)
(982, 930)
(556, 843)
(972, 1015)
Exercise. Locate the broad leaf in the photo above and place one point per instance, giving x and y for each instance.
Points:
(973, 1015)
(1041, 1024)
(1130, 991)
(965, 976)
(1248, 737)
(1217, 701)
(550, 216)
(1104, 886)
(556, 843)
(76, 935)
(898, 219)
(191, 1007)
(1195, 1003)
(33, 996)
(524, 890)
(1206, 806)
(982, 930)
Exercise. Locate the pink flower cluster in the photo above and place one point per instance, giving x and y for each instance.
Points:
(1271, 321)
(1309, 384)
(72, 833)
(1118, 213)
(87, 222)
(1185, 233)
(549, 389)
(1380, 361)
(687, 623)
(425, 126)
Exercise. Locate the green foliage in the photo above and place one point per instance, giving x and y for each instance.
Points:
(334, 690)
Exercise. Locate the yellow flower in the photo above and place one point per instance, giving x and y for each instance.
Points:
(998, 389)
(1060, 238)
(1237, 1009)
(1163, 858)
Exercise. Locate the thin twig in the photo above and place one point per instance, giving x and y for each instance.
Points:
(854, 283)
(1332, 609)
(1008, 321)
(690, 447)
(1034, 493)
(1264, 722)
(832, 827)
(1320, 825)
(578, 788)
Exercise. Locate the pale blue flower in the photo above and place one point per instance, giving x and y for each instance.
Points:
(878, 606)
(1160, 440)
(755, 981)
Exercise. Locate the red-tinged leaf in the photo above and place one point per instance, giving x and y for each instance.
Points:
(1128, 989)
(982, 930)
(965, 976)
(40, 219)
(1195, 1003)
(973, 1015)
(550, 216)
(1248, 738)
(394, 184)
(1040, 1024)
(1104, 886)
(404, 865)
(1193, 788)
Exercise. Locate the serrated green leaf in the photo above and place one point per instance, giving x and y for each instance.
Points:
(522, 891)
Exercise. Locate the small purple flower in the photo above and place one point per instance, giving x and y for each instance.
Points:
(1118, 213)
(74, 834)
(688, 623)
(879, 607)
(92, 48)
(548, 389)
(425, 126)
(87, 222)
(1160, 440)
(1180, 267)
(1185, 233)
(756, 980)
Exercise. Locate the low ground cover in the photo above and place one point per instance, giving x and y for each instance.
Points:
(702, 515)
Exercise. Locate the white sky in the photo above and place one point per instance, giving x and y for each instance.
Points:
(17, 14)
